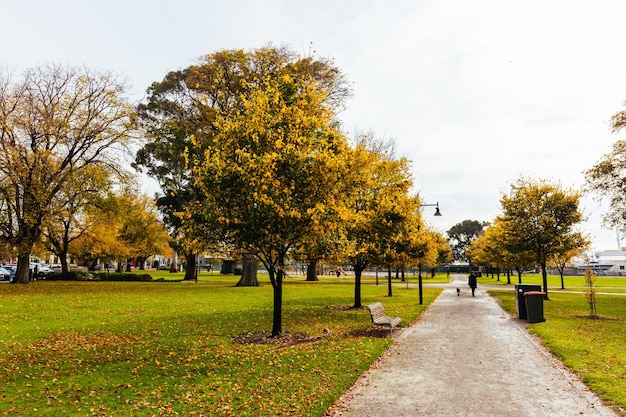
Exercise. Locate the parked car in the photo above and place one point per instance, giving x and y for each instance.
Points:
(5, 274)
(42, 270)
(8, 271)
(12, 268)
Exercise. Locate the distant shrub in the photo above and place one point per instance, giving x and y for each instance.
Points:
(103, 276)
(97, 276)
(70, 276)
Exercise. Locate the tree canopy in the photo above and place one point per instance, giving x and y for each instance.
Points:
(270, 162)
(377, 206)
(68, 219)
(461, 235)
(496, 248)
(54, 123)
(185, 112)
(540, 217)
(607, 178)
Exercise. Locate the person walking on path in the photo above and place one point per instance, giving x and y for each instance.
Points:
(468, 358)
(472, 282)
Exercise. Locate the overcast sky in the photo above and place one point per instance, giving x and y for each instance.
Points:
(476, 93)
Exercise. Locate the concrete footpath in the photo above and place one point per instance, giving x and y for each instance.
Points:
(467, 357)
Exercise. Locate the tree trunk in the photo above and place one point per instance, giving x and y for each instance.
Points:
(190, 271)
(357, 286)
(174, 266)
(64, 266)
(544, 274)
(63, 247)
(128, 265)
(277, 282)
(249, 274)
(311, 270)
(389, 292)
(22, 273)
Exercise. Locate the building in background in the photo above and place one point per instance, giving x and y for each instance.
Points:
(608, 262)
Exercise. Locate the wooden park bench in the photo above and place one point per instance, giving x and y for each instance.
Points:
(377, 311)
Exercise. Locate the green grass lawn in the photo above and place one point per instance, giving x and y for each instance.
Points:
(122, 348)
(593, 349)
(573, 283)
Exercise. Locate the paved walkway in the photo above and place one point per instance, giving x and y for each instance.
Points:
(467, 357)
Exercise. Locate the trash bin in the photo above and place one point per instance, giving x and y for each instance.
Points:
(534, 306)
(520, 302)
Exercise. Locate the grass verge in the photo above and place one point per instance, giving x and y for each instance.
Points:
(128, 348)
(575, 283)
(593, 349)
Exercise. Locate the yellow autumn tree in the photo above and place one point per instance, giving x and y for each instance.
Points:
(142, 232)
(376, 206)
(54, 123)
(398, 236)
(538, 217)
(444, 251)
(485, 251)
(100, 243)
(180, 121)
(569, 247)
(122, 227)
(432, 249)
(496, 247)
(68, 219)
(271, 169)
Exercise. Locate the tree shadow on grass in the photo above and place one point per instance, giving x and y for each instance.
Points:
(282, 341)
(597, 318)
(382, 333)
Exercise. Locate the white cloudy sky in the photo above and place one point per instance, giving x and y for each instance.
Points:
(476, 93)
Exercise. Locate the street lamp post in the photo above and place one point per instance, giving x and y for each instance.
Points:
(419, 282)
(419, 265)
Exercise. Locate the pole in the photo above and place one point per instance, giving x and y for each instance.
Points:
(419, 279)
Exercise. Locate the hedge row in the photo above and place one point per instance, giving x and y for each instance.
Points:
(97, 276)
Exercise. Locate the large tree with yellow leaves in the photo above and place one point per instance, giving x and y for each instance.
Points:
(378, 206)
(539, 216)
(55, 122)
(271, 169)
(184, 113)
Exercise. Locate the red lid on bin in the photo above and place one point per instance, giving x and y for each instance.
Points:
(531, 293)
